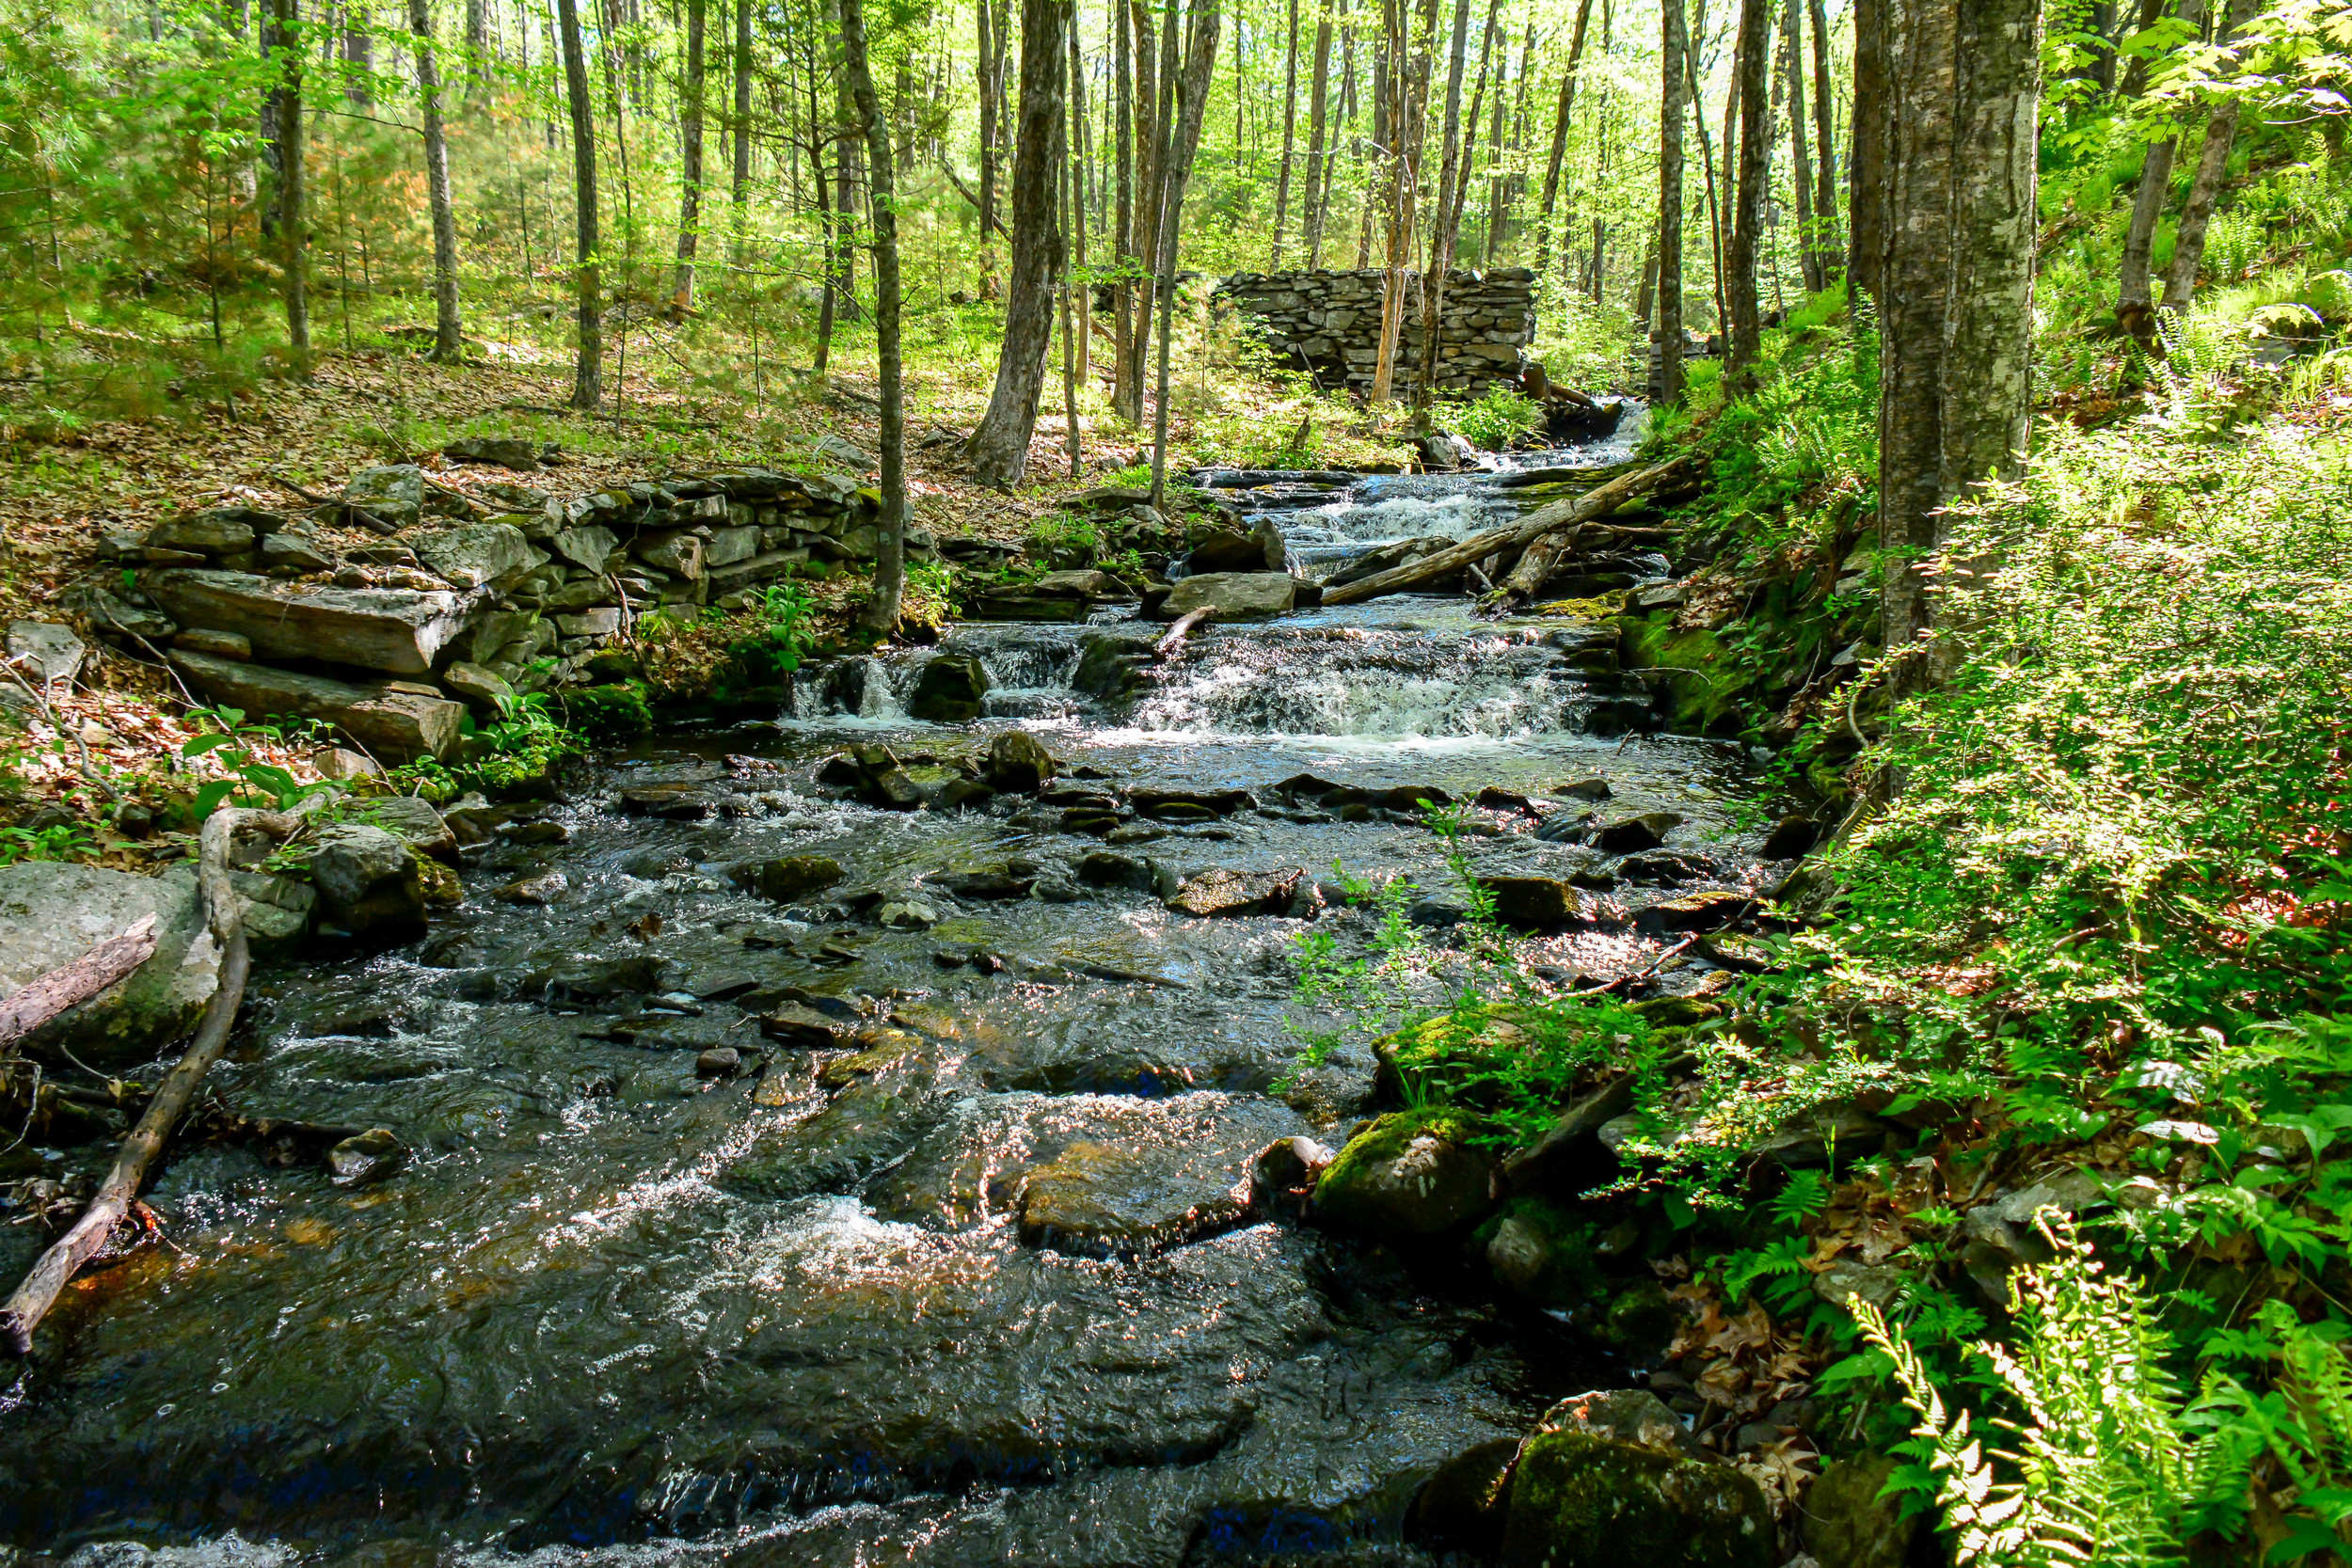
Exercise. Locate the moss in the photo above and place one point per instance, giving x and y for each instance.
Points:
(1449, 1041)
(1359, 1190)
(1677, 1012)
(1640, 1324)
(1579, 1501)
(609, 713)
(1706, 685)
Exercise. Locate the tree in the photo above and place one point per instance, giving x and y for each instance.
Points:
(741, 64)
(291, 230)
(880, 614)
(1290, 131)
(2135, 307)
(1188, 84)
(690, 130)
(998, 450)
(1752, 61)
(588, 373)
(2205, 187)
(1955, 283)
(1560, 139)
(1667, 386)
(1799, 154)
(1441, 227)
(1318, 159)
(1824, 143)
(1866, 159)
(448, 343)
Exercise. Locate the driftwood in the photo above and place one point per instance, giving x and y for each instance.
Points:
(1596, 502)
(1181, 629)
(69, 985)
(39, 1292)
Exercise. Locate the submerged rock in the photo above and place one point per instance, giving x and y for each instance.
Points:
(787, 878)
(1630, 834)
(371, 1156)
(1018, 762)
(1103, 1201)
(1238, 893)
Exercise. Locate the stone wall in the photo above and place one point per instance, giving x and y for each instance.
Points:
(1329, 322)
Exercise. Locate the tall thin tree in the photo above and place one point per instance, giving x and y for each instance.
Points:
(740, 128)
(448, 342)
(1318, 159)
(1560, 139)
(588, 373)
(880, 613)
(690, 183)
(1672, 72)
(1290, 132)
(1185, 113)
(293, 222)
(1752, 64)
(2205, 187)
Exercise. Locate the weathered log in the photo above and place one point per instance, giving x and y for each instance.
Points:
(69, 985)
(39, 1292)
(1596, 502)
(1181, 629)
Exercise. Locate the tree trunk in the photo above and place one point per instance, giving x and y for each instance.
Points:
(992, 101)
(1441, 227)
(1667, 386)
(1751, 65)
(1801, 155)
(829, 230)
(737, 190)
(998, 451)
(1828, 249)
(1290, 132)
(2205, 187)
(1559, 141)
(1381, 100)
(1124, 241)
(359, 56)
(881, 615)
(689, 193)
(2134, 308)
(1187, 106)
(293, 222)
(477, 45)
(588, 374)
(1866, 160)
(1150, 152)
(2136, 73)
(1706, 170)
(448, 344)
(1646, 294)
(1955, 284)
(1507, 182)
(1075, 222)
(1318, 161)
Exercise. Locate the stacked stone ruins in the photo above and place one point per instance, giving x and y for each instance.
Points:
(1328, 323)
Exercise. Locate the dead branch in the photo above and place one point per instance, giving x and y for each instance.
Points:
(1181, 629)
(39, 1292)
(69, 985)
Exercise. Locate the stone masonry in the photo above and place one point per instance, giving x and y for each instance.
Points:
(1329, 322)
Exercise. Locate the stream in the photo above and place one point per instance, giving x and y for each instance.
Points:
(615, 1312)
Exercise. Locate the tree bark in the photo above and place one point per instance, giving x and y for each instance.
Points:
(1074, 221)
(1751, 67)
(1667, 386)
(740, 182)
(880, 614)
(992, 102)
(50, 1273)
(477, 46)
(1441, 227)
(448, 342)
(1290, 132)
(359, 56)
(998, 451)
(689, 194)
(1955, 286)
(1188, 105)
(1149, 151)
(1124, 241)
(2135, 307)
(1828, 249)
(588, 373)
(293, 222)
(1801, 155)
(1318, 161)
(1560, 140)
(2205, 187)
(1866, 162)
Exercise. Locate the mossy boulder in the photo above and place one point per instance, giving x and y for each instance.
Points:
(1541, 1252)
(614, 712)
(1463, 1506)
(1411, 1173)
(1444, 1045)
(951, 690)
(1703, 685)
(1847, 1524)
(1581, 1501)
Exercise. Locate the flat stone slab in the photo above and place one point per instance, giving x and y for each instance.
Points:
(395, 726)
(397, 631)
(53, 913)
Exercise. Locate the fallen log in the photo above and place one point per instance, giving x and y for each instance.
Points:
(24, 1311)
(40, 1000)
(1181, 629)
(1596, 502)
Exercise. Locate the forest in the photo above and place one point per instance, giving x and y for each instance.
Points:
(1375, 781)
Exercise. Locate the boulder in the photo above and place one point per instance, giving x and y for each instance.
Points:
(1464, 1506)
(369, 1156)
(1699, 911)
(1224, 892)
(1845, 1524)
(393, 725)
(805, 1028)
(587, 548)
(1584, 1501)
(1633, 1416)
(218, 531)
(412, 819)
(1260, 550)
(1388, 556)
(44, 652)
(1176, 805)
(1629, 835)
(1411, 1173)
(390, 493)
(474, 557)
(275, 910)
(790, 877)
(400, 631)
(297, 551)
(1282, 1177)
(481, 689)
(1019, 762)
(1537, 901)
(1790, 837)
(1232, 596)
(219, 644)
(1093, 586)
(503, 451)
(368, 880)
(1100, 1200)
(951, 690)
(52, 912)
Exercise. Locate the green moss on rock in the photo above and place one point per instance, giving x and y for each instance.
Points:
(1414, 1173)
(1579, 1501)
(609, 713)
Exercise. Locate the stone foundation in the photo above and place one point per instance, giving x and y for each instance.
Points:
(1328, 323)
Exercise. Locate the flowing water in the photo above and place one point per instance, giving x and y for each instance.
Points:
(613, 1313)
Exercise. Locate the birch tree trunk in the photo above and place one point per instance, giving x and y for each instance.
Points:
(588, 372)
(448, 343)
(998, 451)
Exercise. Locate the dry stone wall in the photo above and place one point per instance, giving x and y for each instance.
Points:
(1329, 322)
